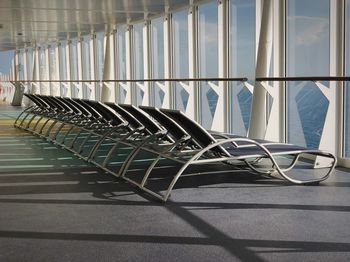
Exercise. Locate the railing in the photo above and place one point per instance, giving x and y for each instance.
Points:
(203, 99)
(305, 78)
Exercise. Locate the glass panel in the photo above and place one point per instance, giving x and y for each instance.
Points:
(121, 61)
(6, 60)
(180, 56)
(21, 66)
(138, 60)
(157, 58)
(241, 61)
(347, 84)
(208, 59)
(86, 66)
(307, 46)
(99, 62)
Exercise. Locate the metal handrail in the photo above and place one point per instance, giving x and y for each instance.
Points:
(305, 78)
(241, 79)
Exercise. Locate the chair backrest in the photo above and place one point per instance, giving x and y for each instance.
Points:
(147, 122)
(169, 124)
(133, 123)
(105, 112)
(82, 109)
(48, 102)
(196, 131)
(69, 105)
(92, 111)
(53, 101)
(65, 107)
(38, 102)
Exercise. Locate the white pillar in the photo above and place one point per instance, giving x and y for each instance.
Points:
(168, 91)
(80, 67)
(146, 63)
(192, 106)
(92, 67)
(275, 130)
(35, 86)
(220, 119)
(108, 90)
(258, 115)
(129, 58)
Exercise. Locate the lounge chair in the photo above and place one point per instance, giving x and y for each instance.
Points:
(234, 151)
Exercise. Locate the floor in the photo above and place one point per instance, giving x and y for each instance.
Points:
(55, 207)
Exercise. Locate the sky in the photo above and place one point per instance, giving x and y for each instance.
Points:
(5, 61)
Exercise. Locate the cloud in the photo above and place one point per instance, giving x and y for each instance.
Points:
(308, 30)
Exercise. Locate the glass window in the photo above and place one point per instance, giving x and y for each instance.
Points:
(138, 60)
(21, 66)
(307, 46)
(180, 56)
(73, 52)
(347, 84)
(207, 59)
(6, 61)
(121, 53)
(241, 61)
(120, 67)
(29, 57)
(158, 58)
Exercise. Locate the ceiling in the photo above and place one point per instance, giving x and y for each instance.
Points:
(26, 22)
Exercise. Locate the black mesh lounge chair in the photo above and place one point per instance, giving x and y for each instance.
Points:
(234, 151)
(242, 148)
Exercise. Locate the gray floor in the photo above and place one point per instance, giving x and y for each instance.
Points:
(55, 207)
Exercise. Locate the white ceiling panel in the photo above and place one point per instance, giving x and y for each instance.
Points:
(24, 22)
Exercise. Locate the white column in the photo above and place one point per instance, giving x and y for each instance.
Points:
(35, 86)
(220, 120)
(80, 67)
(57, 70)
(258, 115)
(147, 60)
(92, 67)
(168, 91)
(275, 130)
(108, 90)
(26, 101)
(69, 71)
(47, 85)
(129, 58)
(192, 106)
